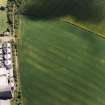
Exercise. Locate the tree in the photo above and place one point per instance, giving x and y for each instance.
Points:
(89, 10)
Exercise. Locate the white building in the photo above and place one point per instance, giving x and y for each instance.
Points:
(4, 102)
(5, 89)
(7, 56)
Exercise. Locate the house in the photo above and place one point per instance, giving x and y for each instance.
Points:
(5, 89)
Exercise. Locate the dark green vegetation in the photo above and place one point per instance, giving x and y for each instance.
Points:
(85, 10)
(61, 65)
(88, 14)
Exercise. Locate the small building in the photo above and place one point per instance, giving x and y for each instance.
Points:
(5, 89)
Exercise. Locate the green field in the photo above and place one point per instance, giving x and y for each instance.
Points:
(61, 64)
(3, 21)
(88, 14)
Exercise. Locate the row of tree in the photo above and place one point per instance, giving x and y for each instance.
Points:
(89, 10)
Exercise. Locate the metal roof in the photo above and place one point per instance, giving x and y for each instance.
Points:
(4, 83)
(7, 56)
(4, 102)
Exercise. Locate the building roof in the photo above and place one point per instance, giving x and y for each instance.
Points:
(7, 56)
(8, 62)
(5, 95)
(3, 71)
(1, 51)
(4, 102)
(4, 86)
(9, 50)
(0, 45)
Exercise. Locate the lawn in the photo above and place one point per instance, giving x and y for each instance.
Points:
(3, 2)
(98, 27)
(61, 64)
(87, 14)
(3, 21)
(3, 17)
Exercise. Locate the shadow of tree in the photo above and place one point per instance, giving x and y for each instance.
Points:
(85, 10)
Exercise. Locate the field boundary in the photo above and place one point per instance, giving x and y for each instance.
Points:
(84, 28)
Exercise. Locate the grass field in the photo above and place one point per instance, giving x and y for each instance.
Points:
(61, 64)
(94, 27)
(3, 17)
(3, 2)
(3, 21)
(88, 14)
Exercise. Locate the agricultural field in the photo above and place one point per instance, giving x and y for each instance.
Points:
(87, 14)
(61, 64)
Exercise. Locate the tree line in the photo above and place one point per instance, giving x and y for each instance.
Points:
(89, 10)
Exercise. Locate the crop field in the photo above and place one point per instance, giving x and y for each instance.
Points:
(3, 17)
(90, 16)
(3, 21)
(61, 64)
